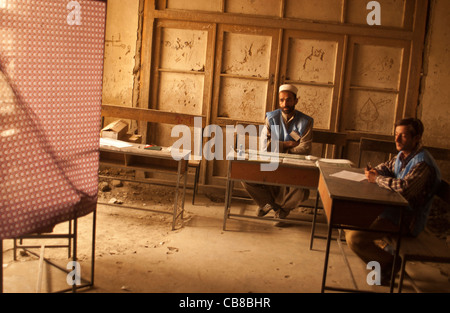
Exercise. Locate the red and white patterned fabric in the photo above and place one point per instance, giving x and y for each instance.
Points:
(51, 58)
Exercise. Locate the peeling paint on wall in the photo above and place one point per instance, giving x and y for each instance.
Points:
(316, 102)
(312, 60)
(243, 99)
(377, 66)
(119, 57)
(181, 93)
(371, 111)
(246, 55)
(183, 49)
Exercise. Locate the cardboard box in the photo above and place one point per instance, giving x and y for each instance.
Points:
(133, 138)
(115, 130)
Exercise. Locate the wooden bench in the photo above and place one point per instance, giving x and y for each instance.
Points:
(376, 145)
(426, 247)
(336, 140)
(157, 116)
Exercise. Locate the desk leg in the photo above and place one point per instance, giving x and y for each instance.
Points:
(175, 205)
(327, 253)
(402, 276)
(313, 227)
(184, 193)
(397, 249)
(227, 203)
(228, 192)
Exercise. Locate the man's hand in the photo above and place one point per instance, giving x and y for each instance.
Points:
(371, 175)
(289, 144)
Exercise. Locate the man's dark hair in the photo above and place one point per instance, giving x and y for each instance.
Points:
(416, 128)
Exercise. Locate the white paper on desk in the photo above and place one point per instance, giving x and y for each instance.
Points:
(349, 175)
(298, 162)
(114, 143)
(336, 161)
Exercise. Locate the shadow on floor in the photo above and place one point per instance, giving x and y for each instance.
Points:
(137, 252)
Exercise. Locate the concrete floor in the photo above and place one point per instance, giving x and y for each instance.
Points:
(137, 252)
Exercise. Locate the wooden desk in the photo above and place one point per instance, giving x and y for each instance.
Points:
(292, 170)
(353, 205)
(135, 157)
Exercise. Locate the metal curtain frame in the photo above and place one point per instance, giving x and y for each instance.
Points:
(71, 236)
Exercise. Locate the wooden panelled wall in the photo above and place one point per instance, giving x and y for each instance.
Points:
(224, 59)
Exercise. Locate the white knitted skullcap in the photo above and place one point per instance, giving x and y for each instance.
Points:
(288, 87)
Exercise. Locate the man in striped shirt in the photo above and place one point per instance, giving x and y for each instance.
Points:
(414, 174)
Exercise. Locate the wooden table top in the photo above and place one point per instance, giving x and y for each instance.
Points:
(364, 191)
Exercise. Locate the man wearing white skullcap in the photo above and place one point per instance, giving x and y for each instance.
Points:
(288, 87)
(294, 133)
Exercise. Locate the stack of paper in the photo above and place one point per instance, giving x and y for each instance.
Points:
(298, 162)
(114, 143)
(336, 162)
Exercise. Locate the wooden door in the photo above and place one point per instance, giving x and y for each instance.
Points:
(244, 82)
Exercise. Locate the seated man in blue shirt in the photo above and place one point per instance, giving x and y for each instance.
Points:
(413, 173)
(294, 131)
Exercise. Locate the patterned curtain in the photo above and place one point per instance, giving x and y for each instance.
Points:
(51, 62)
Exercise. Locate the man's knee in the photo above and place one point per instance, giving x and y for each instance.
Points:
(356, 239)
